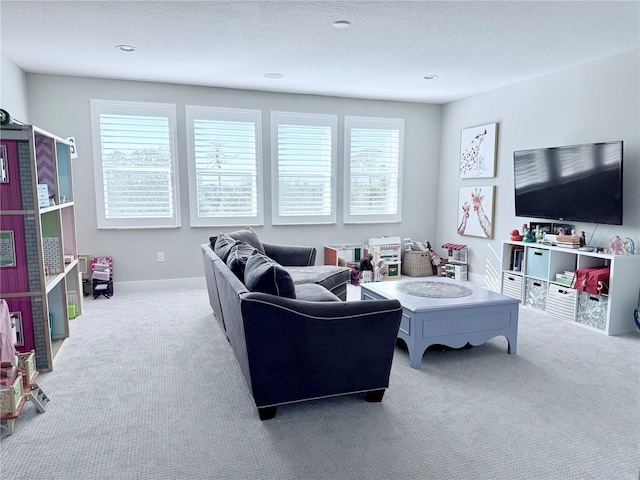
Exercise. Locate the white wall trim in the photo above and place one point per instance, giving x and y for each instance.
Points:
(195, 282)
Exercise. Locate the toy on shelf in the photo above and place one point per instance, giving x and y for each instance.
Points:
(457, 253)
(515, 235)
(102, 277)
(370, 272)
(456, 266)
(388, 249)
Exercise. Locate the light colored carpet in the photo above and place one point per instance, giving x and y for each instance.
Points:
(147, 387)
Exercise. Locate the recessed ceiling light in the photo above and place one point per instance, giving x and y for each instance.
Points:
(341, 23)
(273, 75)
(430, 77)
(126, 48)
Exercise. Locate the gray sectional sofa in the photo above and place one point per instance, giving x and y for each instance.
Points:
(293, 334)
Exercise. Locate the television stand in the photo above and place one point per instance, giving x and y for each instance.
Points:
(539, 275)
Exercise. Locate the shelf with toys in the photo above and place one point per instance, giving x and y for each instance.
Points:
(593, 289)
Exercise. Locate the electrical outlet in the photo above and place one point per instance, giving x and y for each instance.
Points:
(160, 256)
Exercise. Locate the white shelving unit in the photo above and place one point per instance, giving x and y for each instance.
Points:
(529, 274)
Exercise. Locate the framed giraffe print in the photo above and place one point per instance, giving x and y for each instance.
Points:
(475, 211)
(478, 151)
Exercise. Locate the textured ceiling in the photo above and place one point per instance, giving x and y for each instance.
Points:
(390, 46)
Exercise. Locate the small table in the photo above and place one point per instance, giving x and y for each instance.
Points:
(454, 322)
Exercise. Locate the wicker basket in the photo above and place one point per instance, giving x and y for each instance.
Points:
(416, 264)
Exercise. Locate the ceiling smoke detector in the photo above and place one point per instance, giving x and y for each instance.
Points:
(126, 48)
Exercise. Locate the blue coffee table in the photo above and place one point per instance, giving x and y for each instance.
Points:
(475, 318)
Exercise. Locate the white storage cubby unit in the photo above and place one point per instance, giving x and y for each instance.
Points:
(529, 274)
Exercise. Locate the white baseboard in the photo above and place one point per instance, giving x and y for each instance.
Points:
(195, 282)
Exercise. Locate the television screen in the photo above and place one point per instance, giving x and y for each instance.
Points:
(578, 183)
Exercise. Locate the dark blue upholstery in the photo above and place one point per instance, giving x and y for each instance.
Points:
(262, 274)
(314, 346)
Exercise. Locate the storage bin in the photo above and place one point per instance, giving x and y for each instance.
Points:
(417, 264)
(592, 310)
(512, 285)
(535, 293)
(537, 263)
(561, 302)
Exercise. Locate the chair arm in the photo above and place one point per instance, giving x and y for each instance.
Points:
(289, 255)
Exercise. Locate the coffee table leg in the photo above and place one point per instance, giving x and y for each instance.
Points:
(415, 357)
(511, 344)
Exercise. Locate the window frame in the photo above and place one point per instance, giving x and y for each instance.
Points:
(351, 122)
(193, 112)
(310, 119)
(127, 108)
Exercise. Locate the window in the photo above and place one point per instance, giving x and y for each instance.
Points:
(225, 166)
(136, 179)
(303, 168)
(373, 169)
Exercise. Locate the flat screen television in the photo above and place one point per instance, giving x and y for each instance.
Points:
(576, 183)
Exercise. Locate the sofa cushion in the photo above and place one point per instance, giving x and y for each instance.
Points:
(249, 236)
(237, 259)
(332, 278)
(312, 292)
(223, 245)
(261, 274)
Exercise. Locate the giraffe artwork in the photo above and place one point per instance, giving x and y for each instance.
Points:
(463, 225)
(478, 207)
(475, 211)
(478, 151)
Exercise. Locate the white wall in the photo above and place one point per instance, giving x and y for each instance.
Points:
(61, 105)
(593, 102)
(13, 90)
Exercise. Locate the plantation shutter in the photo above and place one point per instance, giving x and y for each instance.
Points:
(304, 157)
(225, 163)
(373, 166)
(134, 150)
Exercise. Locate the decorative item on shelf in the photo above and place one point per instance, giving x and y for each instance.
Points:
(538, 233)
(583, 239)
(616, 246)
(528, 236)
(515, 235)
(457, 253)
(630, 246)
(568, 241)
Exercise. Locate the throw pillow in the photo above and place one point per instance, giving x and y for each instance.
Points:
(248, 235)
(237, 259)
(223, 246)
(261, 274)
